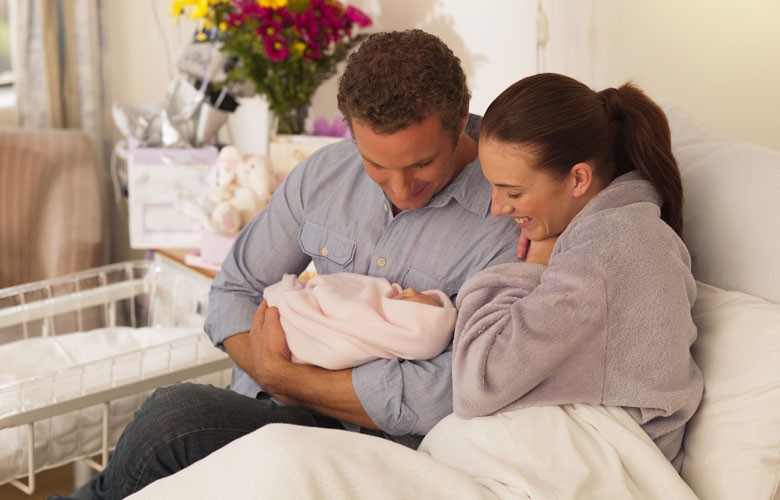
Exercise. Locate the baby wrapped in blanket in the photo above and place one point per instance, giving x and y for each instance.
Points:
(343, 320)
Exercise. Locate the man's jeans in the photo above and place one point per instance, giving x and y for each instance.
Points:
(179, 425)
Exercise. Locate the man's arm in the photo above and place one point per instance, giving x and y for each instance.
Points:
(268, 360)
(266, 249)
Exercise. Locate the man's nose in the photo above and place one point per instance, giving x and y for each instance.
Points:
(402, 184)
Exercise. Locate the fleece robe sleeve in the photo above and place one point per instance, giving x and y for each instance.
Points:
(526, 326)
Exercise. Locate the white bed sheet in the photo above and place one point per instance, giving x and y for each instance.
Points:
(555, 452)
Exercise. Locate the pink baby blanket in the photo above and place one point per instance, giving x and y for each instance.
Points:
(343, 320)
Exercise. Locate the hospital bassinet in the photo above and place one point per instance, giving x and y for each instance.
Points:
(67, 413)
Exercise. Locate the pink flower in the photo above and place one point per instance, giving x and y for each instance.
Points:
(307, 26)
(313, 52)
(276, 48)
(269, 29)
(358, 17)
(236, 19)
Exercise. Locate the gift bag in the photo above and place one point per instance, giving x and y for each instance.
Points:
(165, 188)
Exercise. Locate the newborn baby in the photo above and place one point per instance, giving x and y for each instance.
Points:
(343, 320)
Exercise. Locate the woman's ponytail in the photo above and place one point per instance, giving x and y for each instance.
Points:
(642, 141)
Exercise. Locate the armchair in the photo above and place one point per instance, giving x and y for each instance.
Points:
(52, 204)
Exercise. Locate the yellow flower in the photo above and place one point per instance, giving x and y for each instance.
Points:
(272, 4)
(298, 47)
(198, 9)
(177, 6)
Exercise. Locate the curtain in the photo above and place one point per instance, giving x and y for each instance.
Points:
(58, 54)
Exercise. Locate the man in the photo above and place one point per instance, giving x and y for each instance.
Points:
(406, 201)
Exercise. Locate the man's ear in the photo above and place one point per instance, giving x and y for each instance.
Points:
(463, 122)
(581, 176)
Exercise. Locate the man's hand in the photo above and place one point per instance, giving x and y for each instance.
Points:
(266, 357)
(540, 251)
(270, 353)
(412, 295)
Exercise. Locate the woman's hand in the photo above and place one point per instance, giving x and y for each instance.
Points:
(540, 251)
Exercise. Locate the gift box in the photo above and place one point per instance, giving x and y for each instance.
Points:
(215, 247)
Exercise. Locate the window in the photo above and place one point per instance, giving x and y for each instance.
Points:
(6, 72)
(7, 76)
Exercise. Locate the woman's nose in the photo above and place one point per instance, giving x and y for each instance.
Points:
(497, 207)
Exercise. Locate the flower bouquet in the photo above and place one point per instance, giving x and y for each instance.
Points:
(287, 48)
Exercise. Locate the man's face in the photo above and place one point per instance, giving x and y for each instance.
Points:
(410, 165)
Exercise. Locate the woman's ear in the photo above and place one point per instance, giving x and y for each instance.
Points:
(581, 176)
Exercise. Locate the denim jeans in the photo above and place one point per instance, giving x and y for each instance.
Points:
(179, 425)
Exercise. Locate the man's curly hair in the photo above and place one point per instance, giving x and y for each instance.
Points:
(399, 78)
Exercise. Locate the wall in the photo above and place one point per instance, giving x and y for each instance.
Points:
(495, 45)
(717, 59)
(141, 65)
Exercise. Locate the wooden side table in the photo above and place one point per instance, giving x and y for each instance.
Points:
(177, 255)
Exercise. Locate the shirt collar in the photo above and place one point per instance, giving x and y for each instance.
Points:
(469, 188)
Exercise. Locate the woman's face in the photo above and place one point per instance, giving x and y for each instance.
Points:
(540, 204)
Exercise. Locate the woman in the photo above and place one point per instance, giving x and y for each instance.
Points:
(600, 312)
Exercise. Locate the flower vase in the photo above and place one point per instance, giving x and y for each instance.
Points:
(291, 120)
(289, 145)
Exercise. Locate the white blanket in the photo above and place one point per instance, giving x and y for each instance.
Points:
(567, 452)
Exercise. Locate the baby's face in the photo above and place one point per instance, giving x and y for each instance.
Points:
(412, 295)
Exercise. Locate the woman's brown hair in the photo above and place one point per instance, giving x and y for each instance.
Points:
(616, 131)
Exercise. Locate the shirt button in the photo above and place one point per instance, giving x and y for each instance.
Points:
(324, 251)
(386, 207)
(381, 262)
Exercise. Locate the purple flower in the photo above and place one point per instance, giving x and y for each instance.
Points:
(338, 128)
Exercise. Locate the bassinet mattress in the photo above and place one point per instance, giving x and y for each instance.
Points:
(39, 371)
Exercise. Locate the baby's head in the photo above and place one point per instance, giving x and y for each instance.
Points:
(412, 295)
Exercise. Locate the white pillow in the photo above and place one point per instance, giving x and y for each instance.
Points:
(732, 443)
(732, 207)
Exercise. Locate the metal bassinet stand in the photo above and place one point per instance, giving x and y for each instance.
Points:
(74, 413)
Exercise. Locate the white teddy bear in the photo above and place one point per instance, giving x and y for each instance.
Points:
(243, 190)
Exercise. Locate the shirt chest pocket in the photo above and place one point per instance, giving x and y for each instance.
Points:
(330, 251)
